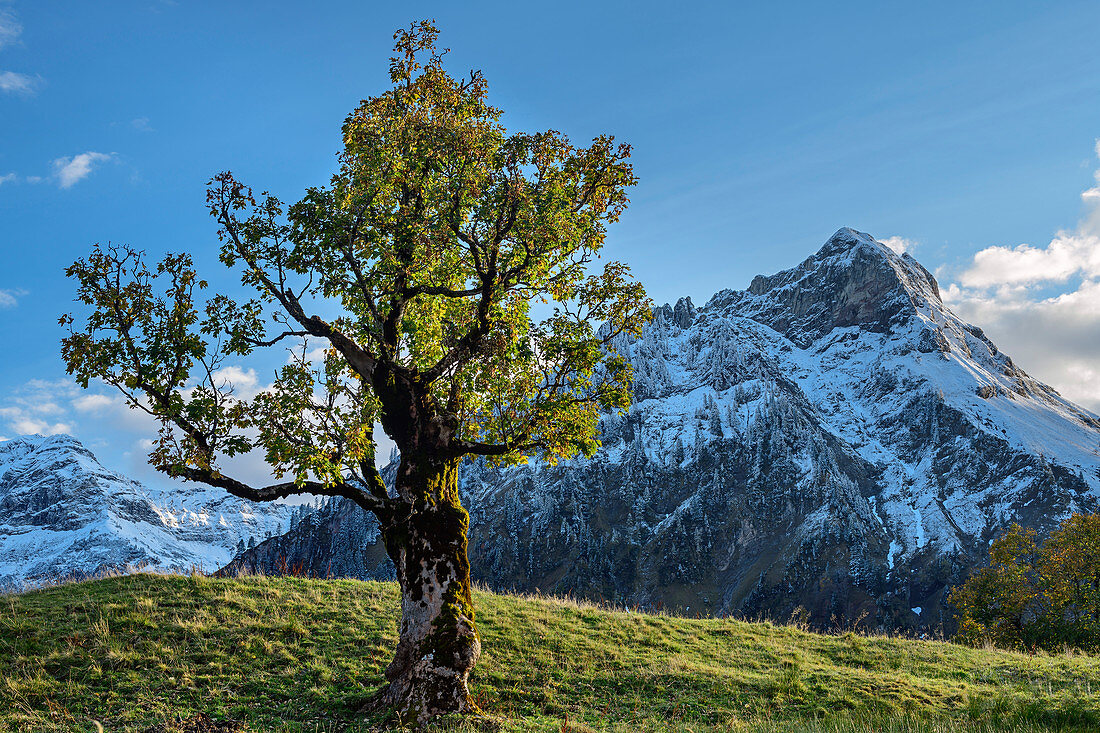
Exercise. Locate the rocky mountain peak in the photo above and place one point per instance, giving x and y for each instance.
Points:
(19, 448)
(62, 513)
(853, 280)
(682, 314)
(847, 240)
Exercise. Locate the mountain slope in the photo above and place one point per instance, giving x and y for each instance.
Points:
(833, 438)
(64, 514)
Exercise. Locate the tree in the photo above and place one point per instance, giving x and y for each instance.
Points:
(448, 270)
(1036, 595)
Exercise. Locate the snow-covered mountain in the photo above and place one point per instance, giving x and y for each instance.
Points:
(62, 514)
(833, 438)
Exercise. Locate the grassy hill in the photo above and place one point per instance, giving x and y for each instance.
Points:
(140, 652)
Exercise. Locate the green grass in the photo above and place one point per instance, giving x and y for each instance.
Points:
(291, 654)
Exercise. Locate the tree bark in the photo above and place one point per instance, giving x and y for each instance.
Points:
(438, 644)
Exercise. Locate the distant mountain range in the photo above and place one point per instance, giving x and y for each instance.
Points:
(62, 514)
(833, 438)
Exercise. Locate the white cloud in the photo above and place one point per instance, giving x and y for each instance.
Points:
(49, 409)
(899, 244)
(34, 408)
(34, 179)
(1042, 304)
(111, 412)
(10, 28)
(104, 421)
(315, 356)
(243, 383)
(7, 178)
(70, 171)
(141, 124)
(13, 81)
(10, 298)
(1068, 254)
(94, 402)
(35, 426)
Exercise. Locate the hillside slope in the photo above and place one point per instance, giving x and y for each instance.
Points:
(295, 654)
(833, 437)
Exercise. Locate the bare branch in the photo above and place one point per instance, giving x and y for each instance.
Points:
(271, 342)
(461, 447)
(368, 501)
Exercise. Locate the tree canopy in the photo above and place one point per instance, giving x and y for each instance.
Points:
(426, 261)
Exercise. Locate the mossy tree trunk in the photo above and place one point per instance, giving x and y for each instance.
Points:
(438, 644)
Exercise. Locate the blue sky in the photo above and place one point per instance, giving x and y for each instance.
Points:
(966, 131)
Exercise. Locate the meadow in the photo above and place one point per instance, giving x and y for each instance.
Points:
(192, 653)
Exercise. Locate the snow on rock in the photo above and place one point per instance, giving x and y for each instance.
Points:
(833, 438)
(62, 514)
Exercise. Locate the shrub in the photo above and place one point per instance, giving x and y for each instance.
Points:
(1036, 594)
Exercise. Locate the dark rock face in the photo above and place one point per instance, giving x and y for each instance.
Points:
(834, 439)
(338, 540)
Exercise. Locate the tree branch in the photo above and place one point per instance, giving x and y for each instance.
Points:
(459, 447)
(362, 361)
(368, 501)
(271, 342)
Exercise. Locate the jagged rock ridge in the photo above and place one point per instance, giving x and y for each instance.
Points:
(834, 438)
(62, 514)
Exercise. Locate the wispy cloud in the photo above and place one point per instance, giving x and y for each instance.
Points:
(10, 298)
(70, 171)
(241, 383)
(141, 124)
(11, 81)
(101, 416)
(48, 407)
(10, 28)
(36, 408)
(7, 178)
(94, 402)
(1042, 303)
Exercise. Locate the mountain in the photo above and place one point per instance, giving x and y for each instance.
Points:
(833, 439)
(335, 540)
(63, 514)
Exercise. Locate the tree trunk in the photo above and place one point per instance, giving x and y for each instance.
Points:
(439, 643)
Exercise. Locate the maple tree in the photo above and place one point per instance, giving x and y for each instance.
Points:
(449, 271)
